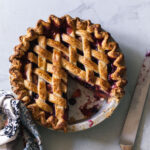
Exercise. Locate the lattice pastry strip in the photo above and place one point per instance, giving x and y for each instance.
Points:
(56, 85)
(102, 66)
(42, 91)
(73, 51)
(28, 70)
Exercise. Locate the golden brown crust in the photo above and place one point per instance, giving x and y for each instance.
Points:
(87, 33)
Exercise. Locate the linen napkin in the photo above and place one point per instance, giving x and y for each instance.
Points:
(17, 129)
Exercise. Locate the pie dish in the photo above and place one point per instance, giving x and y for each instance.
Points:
(59, 48)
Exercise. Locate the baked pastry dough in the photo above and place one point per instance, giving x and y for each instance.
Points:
(50, 52)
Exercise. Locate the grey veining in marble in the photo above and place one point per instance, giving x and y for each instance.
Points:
(127, 21)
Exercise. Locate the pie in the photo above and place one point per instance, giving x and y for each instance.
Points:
(59, 48)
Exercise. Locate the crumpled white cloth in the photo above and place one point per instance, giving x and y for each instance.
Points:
(9, 109)
(16, 121)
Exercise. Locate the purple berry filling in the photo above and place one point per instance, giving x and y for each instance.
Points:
(88, 112)
(72, 101)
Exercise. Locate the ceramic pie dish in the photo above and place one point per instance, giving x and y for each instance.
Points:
(60, 55)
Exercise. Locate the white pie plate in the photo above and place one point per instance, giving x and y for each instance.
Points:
(105, 112)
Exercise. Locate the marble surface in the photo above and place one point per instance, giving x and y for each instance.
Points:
(129, 24)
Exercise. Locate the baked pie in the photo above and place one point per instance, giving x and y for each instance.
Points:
(59, 48)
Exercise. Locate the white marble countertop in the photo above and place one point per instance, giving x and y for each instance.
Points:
(127, 21)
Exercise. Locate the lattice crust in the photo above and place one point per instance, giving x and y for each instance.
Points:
(57, 53)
